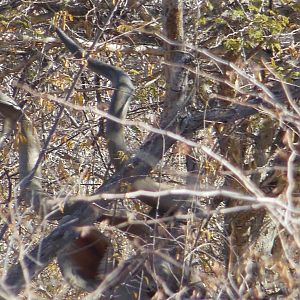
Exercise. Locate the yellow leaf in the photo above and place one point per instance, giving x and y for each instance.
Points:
(122, 156)
(125, 28)
(71, 18)
(63, 23)
(150, 68)
(78, 99)
(119, 55)
(134, 72)
(66, 63)
(22, 138)
(87, 175)
(69, 145)
(64, 139)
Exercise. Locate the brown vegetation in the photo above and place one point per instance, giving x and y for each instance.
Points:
(156, 160)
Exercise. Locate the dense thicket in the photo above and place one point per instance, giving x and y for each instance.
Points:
(149, 149)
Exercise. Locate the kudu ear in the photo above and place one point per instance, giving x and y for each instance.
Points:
(83, 262)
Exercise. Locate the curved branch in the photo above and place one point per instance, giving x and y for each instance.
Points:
(123, 91)
(11, 113)
(29, 150)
